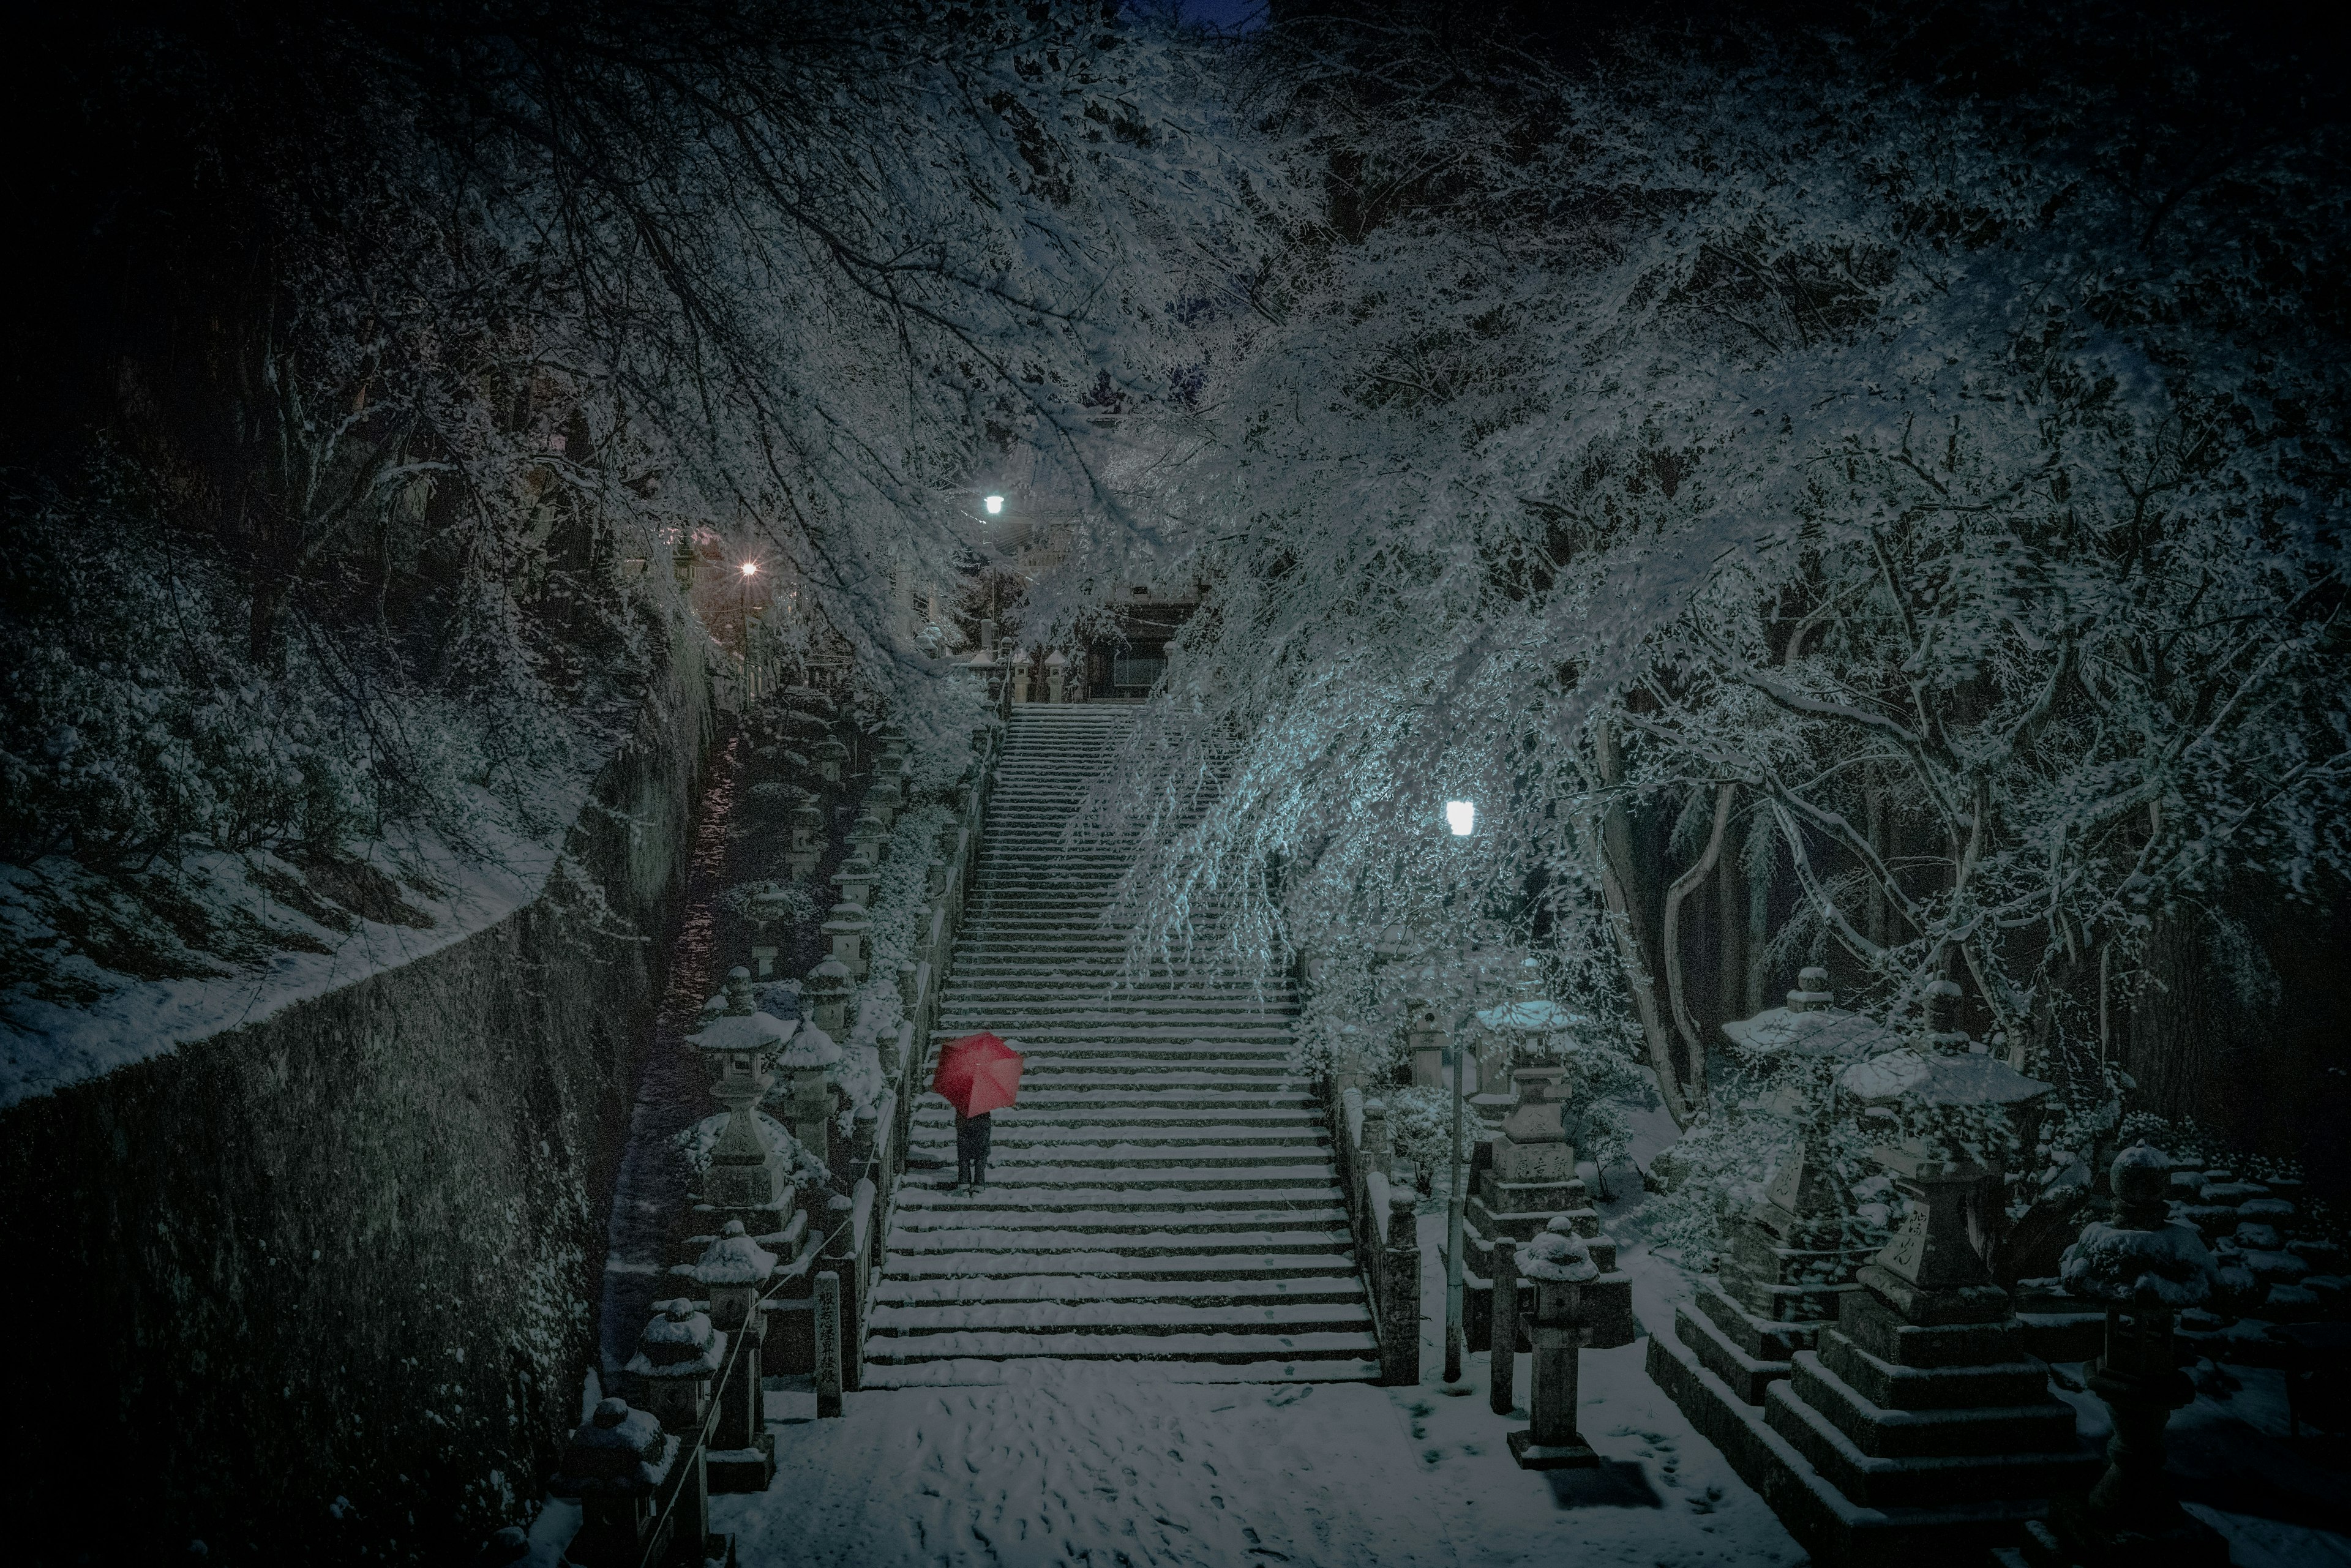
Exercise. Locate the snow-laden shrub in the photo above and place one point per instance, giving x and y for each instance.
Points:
(1420, 1130)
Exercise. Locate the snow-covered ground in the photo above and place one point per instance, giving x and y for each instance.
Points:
(1114, 1464)
(1103, 1465)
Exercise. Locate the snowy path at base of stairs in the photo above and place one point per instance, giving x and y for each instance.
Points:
(1058, 1463)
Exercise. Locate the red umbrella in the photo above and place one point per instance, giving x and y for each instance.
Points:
(977, 1074)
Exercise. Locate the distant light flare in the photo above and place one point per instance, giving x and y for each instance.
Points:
(1461, 816)
(750, 568)
(995, 504)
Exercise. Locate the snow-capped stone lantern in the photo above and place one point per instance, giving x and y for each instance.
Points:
(733, 1272)
(832, 760)
(1514, 1042)
(1523, 1184)
(613, 1464)
(808, 840)
(1788, 1264)
(846, 933)
(678, 1358)
(892, 738)
(881, 799)
(855, 880)
(1921, 1394)
(747, 1177)
(1948, 1072)
(869, 840)
(1557, 1263)
(807, 1064)
(1057, 675)
(2145, 1268)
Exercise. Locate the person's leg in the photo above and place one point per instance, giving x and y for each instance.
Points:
(979, 1153)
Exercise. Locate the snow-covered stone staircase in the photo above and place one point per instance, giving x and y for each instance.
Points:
(1163, 1192)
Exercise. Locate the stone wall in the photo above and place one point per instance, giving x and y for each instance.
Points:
(319, 1290)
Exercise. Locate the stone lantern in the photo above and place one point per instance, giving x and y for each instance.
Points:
(808, 840)
(678, 1358)
(1559, 1264)
(1021, 658)
(613, 1464)
(869, 840)
(1523, 1184)
(1921, 1410)
(747, 1177)
(808, 1065)
(2144, 1267)
(892, 738)
(1515, 1036)
(881, 801)
(855, 880)
(734, 1271)
(846, 932)
(1057, 675)
(1789, 1262)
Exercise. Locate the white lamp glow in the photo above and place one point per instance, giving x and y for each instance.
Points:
(1461, 816)
(750, 568)
(995, 504)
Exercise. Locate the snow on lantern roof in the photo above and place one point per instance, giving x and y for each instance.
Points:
(743, 1031)
(1558, 1254)
(810, 1048)
(1536, 1016)
(734, 1259)
(1814, 1031)
(2120, 1264)
(1933, 1077)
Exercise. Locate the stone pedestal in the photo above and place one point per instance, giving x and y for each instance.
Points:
(1918, 1430)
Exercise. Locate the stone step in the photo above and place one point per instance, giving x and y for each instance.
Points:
(1029, 1242)
(1011, 1196)
(1095, 1287)
(966, 1372)
(1120, 1317)
(1229, 1348)
(981, 1211)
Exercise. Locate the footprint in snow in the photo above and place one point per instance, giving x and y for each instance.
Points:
(1289, 1394)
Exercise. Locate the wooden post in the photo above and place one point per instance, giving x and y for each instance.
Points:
(1502, 1371)
(827, 1343)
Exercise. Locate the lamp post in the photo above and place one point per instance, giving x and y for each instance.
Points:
(1461, 817)
(750, 571)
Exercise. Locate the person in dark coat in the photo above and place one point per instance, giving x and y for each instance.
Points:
(971, 1150)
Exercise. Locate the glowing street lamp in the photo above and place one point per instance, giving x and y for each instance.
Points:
(995, 504)
(1461, 816)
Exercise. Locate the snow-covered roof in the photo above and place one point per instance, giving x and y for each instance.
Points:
(1815, 1032)
(743, 1031)
(1935, 1079)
